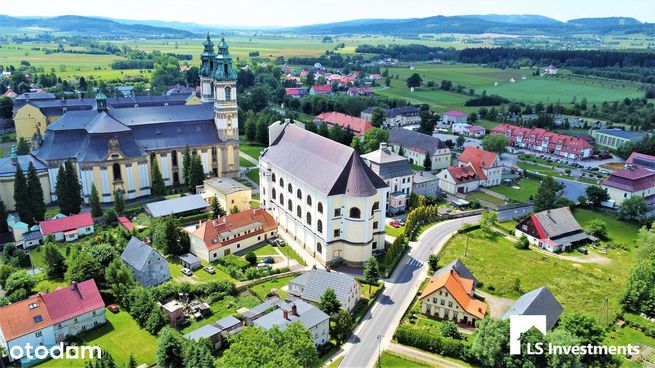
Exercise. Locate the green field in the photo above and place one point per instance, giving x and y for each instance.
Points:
(479, 196)
(527, 188)
(391, 360)
(264, 288)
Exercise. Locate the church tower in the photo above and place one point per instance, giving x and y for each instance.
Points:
(225, 94)
(206, 71)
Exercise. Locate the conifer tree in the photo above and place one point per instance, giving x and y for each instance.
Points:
(75, 187)
(186, 164)
(94, 202)
(37, 204)
(22, 196)
(3, 218)
(119, 202)
(158, 187)
(196, 173)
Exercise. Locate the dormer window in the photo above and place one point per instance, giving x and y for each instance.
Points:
(33, 305)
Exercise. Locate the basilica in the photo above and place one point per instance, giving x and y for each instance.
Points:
(114, 148)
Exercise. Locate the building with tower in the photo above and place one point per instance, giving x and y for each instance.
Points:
(115, 148)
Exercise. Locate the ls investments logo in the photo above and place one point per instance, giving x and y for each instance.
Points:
(519, 324)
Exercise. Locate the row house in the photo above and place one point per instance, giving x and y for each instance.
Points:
(541, 140)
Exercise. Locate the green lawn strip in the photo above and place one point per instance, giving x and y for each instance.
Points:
(479, 196)
(245, 163)
(391, 360)
(265, 250)
(395, 232)
(200, 274)
(252, 150)
(223, 308)
(578, 286)
(527, 188)
(278, 283)
(290, 253)
(617, 230)
(336, 362)
(253, 174)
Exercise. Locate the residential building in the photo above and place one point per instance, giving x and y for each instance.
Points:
(311, 285)
(180, 206)
(460, 268)
(630, 182)
(228, 192)
(359, 91)
(232, 233)
(452, 117)
(416, 145)
(426, 183)
(68, 228)
(8, 171)
(615, 138)
(217, 332)
(555, 230)
(320, 90)
(49, 318)
(396, 117)
(475, 131)
(329, 201)
(551, 69)
(357, 125)
(450, 296)
(458, 179)
(538, 302)
(460, 128)
(114, 148)
(486, 164)
(189, 261)
(296, 92)
(148, 266)
(642, 160)
(395, 171)
(312, 318)
(541, 140)
(174, 311)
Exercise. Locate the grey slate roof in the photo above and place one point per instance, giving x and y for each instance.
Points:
(84, 135)
(32, 235)
(136, 253)
(329, 167)
(204, 332)
(227, 322)
(558, 222)
(316, 281)
(424, 176)
(189, 258)
(622, 133)
(537, 302)
(389, 164)
(415, 141)
(7, 167)
(308, 315)
(458, 266)
(261, 308)
(176, 205)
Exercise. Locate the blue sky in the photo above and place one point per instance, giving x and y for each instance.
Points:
(299, 12)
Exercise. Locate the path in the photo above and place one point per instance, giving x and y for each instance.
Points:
(497, 305)
(375, 331)
(423, 357)
(248, 158)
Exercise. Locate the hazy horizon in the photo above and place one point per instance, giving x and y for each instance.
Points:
(298, 12)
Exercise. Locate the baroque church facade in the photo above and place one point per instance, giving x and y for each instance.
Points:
(115, 148)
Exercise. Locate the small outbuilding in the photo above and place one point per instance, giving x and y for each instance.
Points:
(182, 206)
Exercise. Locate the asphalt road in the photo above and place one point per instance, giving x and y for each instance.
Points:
(375, 331)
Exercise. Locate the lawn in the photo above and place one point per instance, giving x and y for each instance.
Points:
(617, 230)
(578, 286)
(265, 287)
(200, 274)
(527, 188)
(120, 337)
(245, 163)
(252, 150)
(290, 253)
(393, 231)
(479, 196)
(253, 174)
(391, 360)
(223, 308)
(265, 250)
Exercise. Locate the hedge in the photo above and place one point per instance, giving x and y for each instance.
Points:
(424, 340)
(641, 324)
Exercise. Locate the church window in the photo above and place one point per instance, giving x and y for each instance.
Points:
(116, 168)
(355, 212)
(228, 93)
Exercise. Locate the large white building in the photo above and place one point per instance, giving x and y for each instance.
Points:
(322, 195)
(395, 171)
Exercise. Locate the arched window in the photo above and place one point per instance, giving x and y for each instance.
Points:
(273, 177)
(319, 226)
(116, 169)
(290, 188)
(281, 199)
(299, 194)
(355, 212)
(282, 183)
(376, 206)
(228, 93)
(298, 212)
(319, 248)
(289, 205)
(320, 207)
(309, 219)
(274, 194)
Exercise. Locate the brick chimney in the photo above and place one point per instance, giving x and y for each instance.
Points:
(294, 310)
(285, 313)
(74, 285)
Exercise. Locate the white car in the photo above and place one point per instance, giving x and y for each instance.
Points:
(186, 271)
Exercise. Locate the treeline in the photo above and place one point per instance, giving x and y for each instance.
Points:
(132, 64)
(413, 52)
(351, 105)
(486, 100)
(637, 74)
(330, 60)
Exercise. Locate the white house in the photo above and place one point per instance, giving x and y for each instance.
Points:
(68, 228)
(458, 179)
(486, 164)
(415, 146)
(396, 172)
(282, 313)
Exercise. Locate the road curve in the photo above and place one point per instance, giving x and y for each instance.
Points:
(375, 331)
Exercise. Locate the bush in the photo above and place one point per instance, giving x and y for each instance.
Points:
(522, 242)
(424, 340)
(597, 228)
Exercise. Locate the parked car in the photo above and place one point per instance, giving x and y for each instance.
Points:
(272, 242)
(401, 222)
(280, 242)
(186, 271)
(394, 224)
(263, 265)
(210, 269)
(113, 308)
(583, 250)
(267, 260)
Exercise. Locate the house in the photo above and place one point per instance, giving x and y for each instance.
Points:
(189, 261)
(357, 125)
(174, 312)
(228, 192)
(460, 268)
(475, 131)
(630, 182)
(322, 194)
(452, 117)
(538, 302)
(396, 117)
(359, 91)
(415, 146)
(555, 230)
(320, 90)
(460, 128)
(311, 285)
(450, 296)
(458, 179)
(615, 138)
(486, 164)
(541, 140)
(181, 206)
(217, 332)
(642, 160)
(396, 172)
(296, 92)
(426, 183)
(312, 318)
(125, 91)
(551, 69)
(232, 233)
(375, 76)
(68, 228)
(49, 318)
(148, 266)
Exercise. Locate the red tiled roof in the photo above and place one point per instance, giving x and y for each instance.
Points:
(19, 319)
(455, 113)
(636, 156)
(460, 288)
(475, 128)
(72, 222)
(126, 223)
(358, 125)
(478, 156)
(210, 231)
(463, 174)
(631, 179)
(322, 89)
(75, 300)
(537, 137)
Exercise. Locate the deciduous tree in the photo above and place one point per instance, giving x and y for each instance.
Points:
(55, 262)
(496, 143)
(329, 302)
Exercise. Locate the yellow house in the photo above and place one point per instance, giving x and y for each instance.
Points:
(228, 192)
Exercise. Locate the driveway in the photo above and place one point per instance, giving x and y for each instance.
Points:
(497, 305)
(572, 189)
